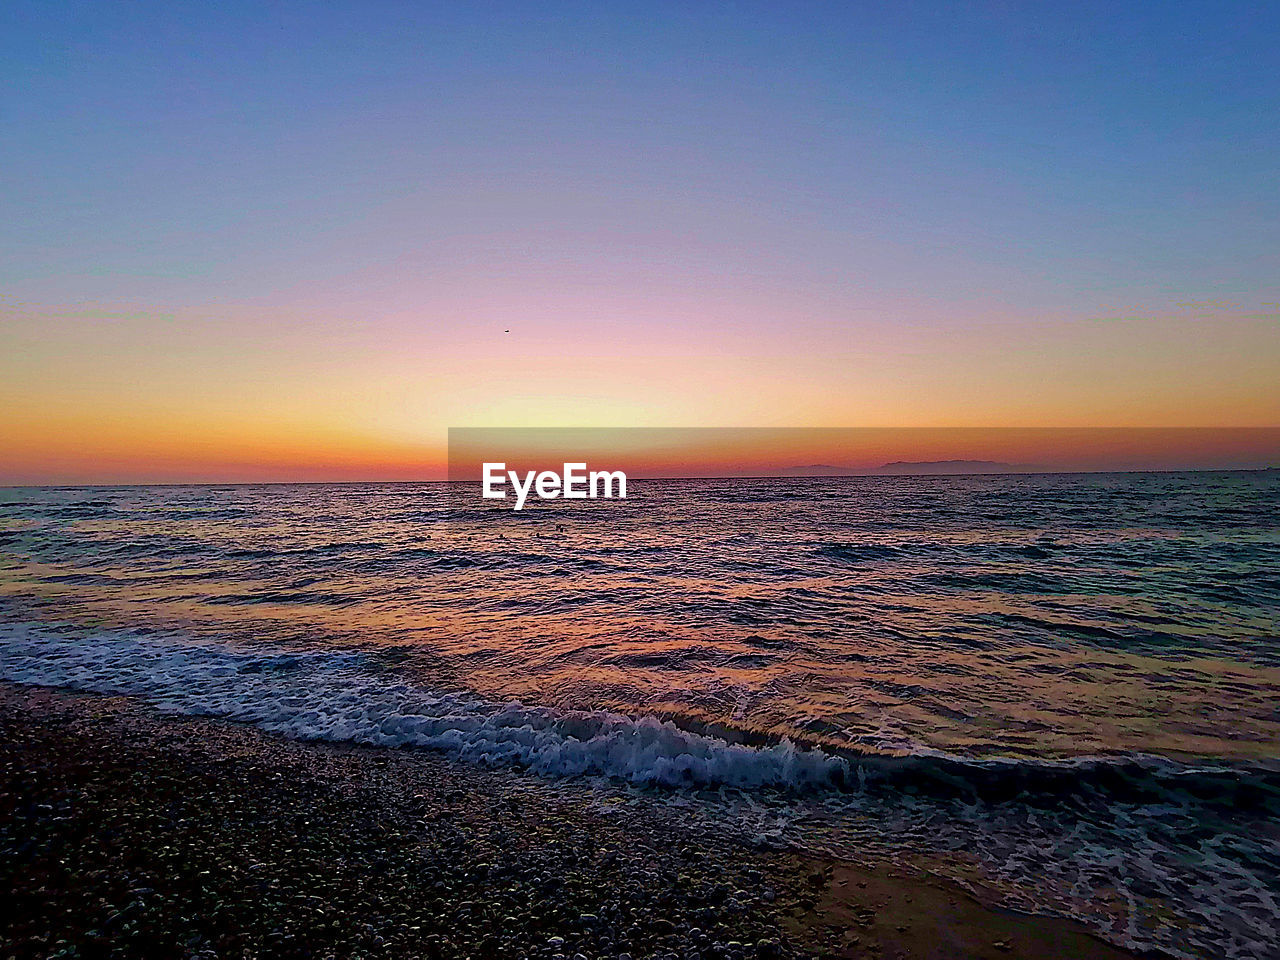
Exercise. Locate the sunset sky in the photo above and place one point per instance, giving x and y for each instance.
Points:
(242, 241)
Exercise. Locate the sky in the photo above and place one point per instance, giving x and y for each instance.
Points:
(245, 241)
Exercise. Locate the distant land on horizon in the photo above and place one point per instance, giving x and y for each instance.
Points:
(907, 467)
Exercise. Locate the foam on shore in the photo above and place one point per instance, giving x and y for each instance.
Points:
(344, 696)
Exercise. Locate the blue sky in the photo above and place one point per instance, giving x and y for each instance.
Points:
(1056, 151)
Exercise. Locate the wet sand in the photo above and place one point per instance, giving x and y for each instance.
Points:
(127, 834)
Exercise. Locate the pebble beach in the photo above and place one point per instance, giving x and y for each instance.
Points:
(125, 833)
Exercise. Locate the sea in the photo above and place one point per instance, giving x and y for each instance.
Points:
(1063, 691)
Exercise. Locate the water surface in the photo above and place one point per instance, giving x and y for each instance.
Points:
(1077, 676)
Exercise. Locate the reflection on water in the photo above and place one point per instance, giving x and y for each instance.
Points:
(1020, 616)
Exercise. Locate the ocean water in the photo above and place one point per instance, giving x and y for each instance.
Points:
(1062, 690)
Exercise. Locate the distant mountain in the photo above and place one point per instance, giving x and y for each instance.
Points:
(908, 468)
(949, 466)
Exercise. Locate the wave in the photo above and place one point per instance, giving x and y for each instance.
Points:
(346, 696)
(859, 552)
(351, 696)
(316, 597)
(1223, 786)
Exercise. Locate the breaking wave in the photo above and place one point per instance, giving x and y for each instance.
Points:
(345, 696)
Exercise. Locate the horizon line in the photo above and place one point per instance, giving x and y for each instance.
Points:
(645, 479)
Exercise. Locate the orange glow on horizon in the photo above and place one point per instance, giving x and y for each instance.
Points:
(87, 397)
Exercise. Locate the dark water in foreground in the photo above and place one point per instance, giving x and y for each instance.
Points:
(1068, 687)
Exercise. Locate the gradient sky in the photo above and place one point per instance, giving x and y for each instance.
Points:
(252, 241)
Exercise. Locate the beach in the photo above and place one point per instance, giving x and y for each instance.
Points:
(126, 833)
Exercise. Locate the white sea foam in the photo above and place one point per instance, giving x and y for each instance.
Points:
(344, 696)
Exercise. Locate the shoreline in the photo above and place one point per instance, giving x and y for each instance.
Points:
(127, 833)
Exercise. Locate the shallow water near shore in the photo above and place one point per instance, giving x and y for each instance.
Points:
(1064, 684)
